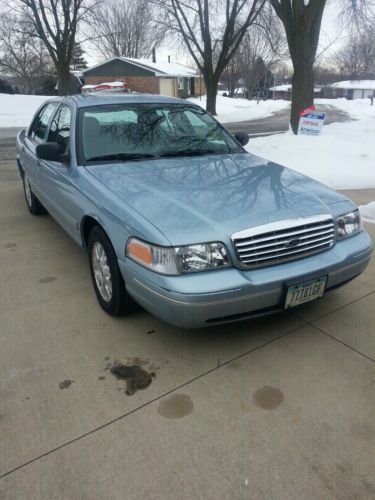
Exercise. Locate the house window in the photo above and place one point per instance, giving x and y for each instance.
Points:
(180, 83)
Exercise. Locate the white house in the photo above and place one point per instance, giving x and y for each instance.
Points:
(351, 89)
(146, 75)
(285, 91)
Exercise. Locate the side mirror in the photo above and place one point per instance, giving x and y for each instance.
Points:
(242, 138)
(50, 151)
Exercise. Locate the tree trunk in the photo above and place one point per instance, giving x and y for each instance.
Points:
(211, 90)
(64, 81)
(302, 22)
(303, 90)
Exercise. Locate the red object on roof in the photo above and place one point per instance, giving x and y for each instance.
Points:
(116, 86)
(111, 85)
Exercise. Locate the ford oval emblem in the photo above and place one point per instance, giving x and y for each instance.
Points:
(293, 243)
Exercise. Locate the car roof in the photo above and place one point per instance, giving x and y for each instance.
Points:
(98, 99)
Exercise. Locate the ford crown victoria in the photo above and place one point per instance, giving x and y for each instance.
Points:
(176, 215)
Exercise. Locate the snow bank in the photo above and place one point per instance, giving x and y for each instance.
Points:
(368, 212)
(18, 110)
(237, 110)
(342, 157)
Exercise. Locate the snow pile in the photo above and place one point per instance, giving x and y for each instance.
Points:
(236, 110)
(288, 88)
(342, 157)
(357, 108)
(18, 110)
(368, 212)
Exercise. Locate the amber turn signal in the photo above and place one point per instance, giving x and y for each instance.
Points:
(140, 252)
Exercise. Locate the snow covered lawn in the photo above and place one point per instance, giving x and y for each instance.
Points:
(368, 212)
(342, 157)
(18, 110)
(239, 110)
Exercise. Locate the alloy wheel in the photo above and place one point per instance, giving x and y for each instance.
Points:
(102, 272)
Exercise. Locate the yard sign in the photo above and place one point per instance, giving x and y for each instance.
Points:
(311, 122)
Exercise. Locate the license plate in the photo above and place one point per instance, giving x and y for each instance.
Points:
(305, 292)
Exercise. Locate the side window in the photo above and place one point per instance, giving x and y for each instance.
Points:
(60, 128)
(39, 127)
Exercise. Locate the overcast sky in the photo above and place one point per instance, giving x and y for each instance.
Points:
(331, 38)
(331, 35)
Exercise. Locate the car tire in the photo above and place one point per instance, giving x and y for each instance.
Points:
(32, 202)
(106, 276)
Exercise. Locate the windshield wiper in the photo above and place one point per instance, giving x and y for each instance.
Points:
(121, 156)
(192, 152)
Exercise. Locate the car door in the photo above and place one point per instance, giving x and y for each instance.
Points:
(54, 177)
(36, 134)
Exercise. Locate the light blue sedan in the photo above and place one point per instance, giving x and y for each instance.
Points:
(178, 217)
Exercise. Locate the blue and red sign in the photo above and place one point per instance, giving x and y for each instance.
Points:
(311, 122)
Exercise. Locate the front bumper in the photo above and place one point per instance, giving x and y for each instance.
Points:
(214, 297)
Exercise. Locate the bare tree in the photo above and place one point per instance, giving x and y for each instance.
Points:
(231, 75)
(125, 28)
(262, 48)
(212, 32)
(356, 58)
(302, 23)
(55, 23)
(325, 73)
(283, 72)
(21, 57)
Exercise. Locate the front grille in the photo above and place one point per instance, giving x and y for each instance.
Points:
(284, 240)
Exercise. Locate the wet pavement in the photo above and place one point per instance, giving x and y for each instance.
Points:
(279, 407)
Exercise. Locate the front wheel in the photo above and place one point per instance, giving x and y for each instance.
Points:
(106, 276)
(33, 204)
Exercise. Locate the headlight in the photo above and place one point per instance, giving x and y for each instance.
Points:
(348, 224)
(202, 257)
(178, 260)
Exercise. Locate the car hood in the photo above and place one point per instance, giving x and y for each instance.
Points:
(205, 198)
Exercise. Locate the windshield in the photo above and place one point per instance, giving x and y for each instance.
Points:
(124, 132)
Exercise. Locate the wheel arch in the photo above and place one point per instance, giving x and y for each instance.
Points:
(87, 223)
(20, 168)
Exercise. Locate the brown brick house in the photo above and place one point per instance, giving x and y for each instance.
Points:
(143, 75)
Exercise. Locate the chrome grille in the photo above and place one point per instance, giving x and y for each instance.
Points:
(285, 240)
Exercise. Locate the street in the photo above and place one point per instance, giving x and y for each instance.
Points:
(279, 121)
(279, 407)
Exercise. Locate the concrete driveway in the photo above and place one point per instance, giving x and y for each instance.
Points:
(277, 408)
